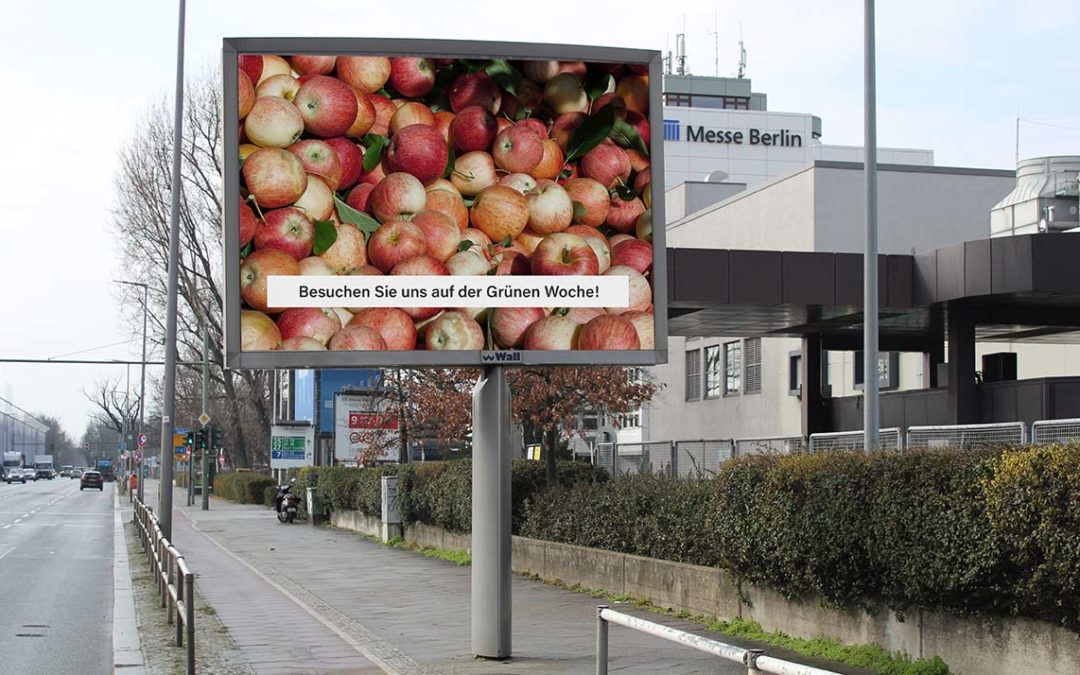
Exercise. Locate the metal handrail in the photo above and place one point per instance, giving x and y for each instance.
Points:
(175, 581)
(754, 659)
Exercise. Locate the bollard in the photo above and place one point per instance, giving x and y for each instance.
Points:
(189, 623)
(179, 598)
(170, 581)
(751, 660)
(601, 641)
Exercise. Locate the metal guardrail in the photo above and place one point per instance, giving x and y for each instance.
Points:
(967, 435)
(1055, 431)
(889, 439)
(701, 458)
(755, 660)
(175, 582)
(769, 445)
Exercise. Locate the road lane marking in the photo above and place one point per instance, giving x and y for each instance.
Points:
(7, 526)
(7, 551)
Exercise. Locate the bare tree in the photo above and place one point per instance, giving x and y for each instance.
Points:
(239, 399)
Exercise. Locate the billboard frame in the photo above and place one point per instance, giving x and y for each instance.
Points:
(470, 49)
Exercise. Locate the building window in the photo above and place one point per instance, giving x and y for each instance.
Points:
(752, 356)
(630, 421)
(712, 371)
(693, 375)
(680, 100)
(795, 374)
(732, 368)
(736, 103)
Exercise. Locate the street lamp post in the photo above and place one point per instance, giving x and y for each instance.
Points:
(142, 378)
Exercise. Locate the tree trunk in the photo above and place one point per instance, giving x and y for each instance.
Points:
(552, 436)
(237, 452)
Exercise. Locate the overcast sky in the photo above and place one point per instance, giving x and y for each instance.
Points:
(952, 77)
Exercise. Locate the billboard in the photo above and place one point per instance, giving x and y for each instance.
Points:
(364, 431)
(422, 202)
(292, 445)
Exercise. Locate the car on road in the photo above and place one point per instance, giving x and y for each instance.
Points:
(66, 470)
(76, 472)
(92, 479)
(14, 474)
(30, 474)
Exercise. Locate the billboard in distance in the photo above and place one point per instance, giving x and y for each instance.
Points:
(364, 430)
(411, 202)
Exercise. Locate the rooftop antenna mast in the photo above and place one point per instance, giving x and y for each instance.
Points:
(667, 58)
(742, 55)
(715, 32)
(680, 53)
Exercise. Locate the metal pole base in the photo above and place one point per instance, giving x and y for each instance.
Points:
(491, 610)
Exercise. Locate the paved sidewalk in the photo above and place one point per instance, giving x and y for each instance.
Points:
(301, 599)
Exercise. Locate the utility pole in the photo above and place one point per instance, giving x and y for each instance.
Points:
(169, 394)
(871, 423)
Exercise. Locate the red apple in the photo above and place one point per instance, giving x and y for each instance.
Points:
(634, 90)
(245, 96)
(365, 115)
(421, 265)
(550, 208)
(288, 230)
(280, 86)
(373, 177)
(254, 270)
(527, 241)
(561, 254)
(639, 163)
(419, 150)
(607, 163)
(473, 128)
(410, 113)
(552, 333)
(612, 99)
(582, 315)
(473, 172)
(273, 123)
(517, 150)
(272, 65)
(358, 338)
(314, 266)
(540, 71)
(644, 323)
(565, 93)
(312, 64)
(327, 105)
(453, 331)
(384, 112)
(525, 102)
(468, 263)
(551, 164)
(522, 182)
(443, 120)
(366, 73)
(348, 251)
(394, 325)
(640, 291)
(412, 76)
(622, 216)
(351, 158)
(608, 332)
(319, 158)
(399, 196)
(394, 242)
(640, 124)
(441, 234)
(633, 253)
(359, 197)
(318, 199)
(248, 224)
(534, 123)
(252, 64)
(274, 177)
(499, 212)
(258, 332)
(643, 226)
(564, 126)
(594, 199)
(443, 196)
(597, 241)
(616, 239)
(301, 343)
(481, 242)
(509, 324)
(318, 323)
(475, 89)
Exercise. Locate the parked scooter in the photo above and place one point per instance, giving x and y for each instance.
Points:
(286, 503)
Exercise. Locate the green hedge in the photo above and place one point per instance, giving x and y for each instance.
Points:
(436, 493)
(985, 531)
(245, 488)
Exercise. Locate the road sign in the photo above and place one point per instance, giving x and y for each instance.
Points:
(204, 419)
(138, 456)
(142, 440)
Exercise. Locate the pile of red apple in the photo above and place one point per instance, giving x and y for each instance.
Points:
(418, 166)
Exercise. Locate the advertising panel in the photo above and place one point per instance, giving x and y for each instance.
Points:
(364, 432)
(292, 446)
(421, 202)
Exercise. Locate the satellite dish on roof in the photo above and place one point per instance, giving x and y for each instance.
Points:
(716, 176)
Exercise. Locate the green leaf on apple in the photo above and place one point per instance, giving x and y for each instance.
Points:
(591, 133)
(246, 251)
(566, 173)
(596, 83)
(579, 212)
(504, 74)
(361, 220)
(465, 245)
(468, 201)
(451, 158)
(374, 145)
(507, 242)
(628, 137)
(470, 65)
(325, 236)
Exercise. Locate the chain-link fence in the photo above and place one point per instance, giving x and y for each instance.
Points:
(967, 435)
(1056, 431)
(770, 445)
(701, 458)
(604, 455)
(888, 439)
(653, 457)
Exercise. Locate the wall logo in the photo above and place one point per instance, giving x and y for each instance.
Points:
(671, 130)
(500, 357)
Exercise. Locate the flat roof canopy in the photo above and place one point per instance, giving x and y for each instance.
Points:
(1018, 289)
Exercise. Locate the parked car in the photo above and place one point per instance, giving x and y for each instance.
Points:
(92, 479)
(14, 474)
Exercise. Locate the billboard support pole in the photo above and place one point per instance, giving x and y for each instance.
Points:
(871, 423)
(168, 397)
(491, 610)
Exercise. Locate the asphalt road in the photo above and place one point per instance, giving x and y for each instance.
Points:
(56, 585)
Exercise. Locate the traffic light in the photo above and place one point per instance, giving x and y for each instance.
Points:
(215, 438)
(201, 437)
(189, 439)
